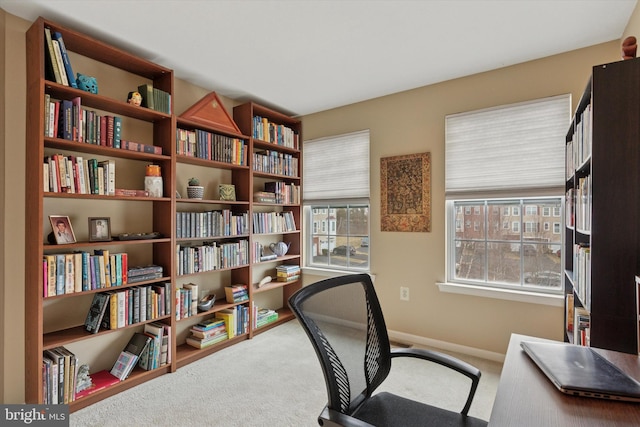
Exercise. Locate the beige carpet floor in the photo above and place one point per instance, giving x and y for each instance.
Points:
(271, 380)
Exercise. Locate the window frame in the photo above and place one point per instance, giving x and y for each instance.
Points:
(452, 206)
(310, 238)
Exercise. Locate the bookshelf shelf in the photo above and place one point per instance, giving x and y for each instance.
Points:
(55, 320)
(602, 235)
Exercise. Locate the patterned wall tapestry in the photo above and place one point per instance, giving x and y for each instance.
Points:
(405, 183)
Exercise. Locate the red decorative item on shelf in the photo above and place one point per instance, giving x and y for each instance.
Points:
(629, 47)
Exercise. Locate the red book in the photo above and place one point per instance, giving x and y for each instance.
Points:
(100, 381)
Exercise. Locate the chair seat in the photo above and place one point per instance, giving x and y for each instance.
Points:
(386, 409)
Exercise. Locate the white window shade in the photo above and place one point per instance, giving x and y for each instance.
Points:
(336, 167)
(518, 148)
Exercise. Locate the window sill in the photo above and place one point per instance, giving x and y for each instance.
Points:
(505, 294)
(326, 272)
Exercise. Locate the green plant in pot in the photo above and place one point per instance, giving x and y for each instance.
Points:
(194, 189)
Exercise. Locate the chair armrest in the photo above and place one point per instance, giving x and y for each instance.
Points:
(332, 418)
(448, 361)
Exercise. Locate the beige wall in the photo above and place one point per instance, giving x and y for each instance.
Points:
(407, 122)
(413, 122)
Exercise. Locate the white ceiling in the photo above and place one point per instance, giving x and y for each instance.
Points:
(305, 56)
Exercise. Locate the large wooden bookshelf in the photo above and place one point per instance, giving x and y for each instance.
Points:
(58, 320)
(602, 238)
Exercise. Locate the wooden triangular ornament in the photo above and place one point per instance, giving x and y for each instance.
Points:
(210, 111)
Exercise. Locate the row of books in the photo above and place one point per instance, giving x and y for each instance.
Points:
(155, 99)
(582, 273)
(57, 63)
(581, 326)
(274, 133)
(258, 253)
(80, 271)
(276, 163)
(282, 192)
(211, 146)
(212, 223)
(236, 319)
(579, 147)
(287, 273)
(211, 256)
(582, 201)
(273, 222)
(68, 119)
(208, 332)
(59, 370)
(187, 301)
(74, 174)
(117, 309)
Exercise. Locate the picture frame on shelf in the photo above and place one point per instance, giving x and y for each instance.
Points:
(99, 229)
(227, 192)
(62, 229)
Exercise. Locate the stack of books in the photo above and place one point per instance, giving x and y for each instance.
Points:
(265, 316)
(265, 197)
(287, 273)
(208, 332)
(236, 293)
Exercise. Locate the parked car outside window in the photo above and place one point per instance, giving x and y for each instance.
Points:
(342, 250)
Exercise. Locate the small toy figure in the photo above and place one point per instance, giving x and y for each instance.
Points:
(629, 47)
(134, 98)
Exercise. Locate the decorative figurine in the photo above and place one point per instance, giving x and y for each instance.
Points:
(87, 83)
(134, 98)
(83, 380)
(629, 47)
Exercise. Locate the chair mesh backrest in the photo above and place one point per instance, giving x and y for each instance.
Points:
(344, 322)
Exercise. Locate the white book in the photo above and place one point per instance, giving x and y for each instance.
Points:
(85, 166)
(52, 119)
(63, 73)
(81, 175)
(45, 177)
(122, 296)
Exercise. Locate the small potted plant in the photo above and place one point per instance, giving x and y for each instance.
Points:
(195, 190)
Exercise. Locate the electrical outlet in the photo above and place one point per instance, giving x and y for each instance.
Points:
(404, 293)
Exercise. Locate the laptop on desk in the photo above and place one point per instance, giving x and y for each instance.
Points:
(581, 371)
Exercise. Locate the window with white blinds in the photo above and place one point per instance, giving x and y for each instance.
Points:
(512, 149)
(336, 202)
(336, 167)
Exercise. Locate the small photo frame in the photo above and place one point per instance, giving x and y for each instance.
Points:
(99, 229)
(227, 192)
(62, 230)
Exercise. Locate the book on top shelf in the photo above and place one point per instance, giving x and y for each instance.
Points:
(56, 35)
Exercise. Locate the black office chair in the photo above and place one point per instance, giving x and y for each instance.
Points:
(344, 321)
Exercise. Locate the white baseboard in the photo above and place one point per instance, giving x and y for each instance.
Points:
(404, 338)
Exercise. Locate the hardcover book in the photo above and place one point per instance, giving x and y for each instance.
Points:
(99, 381)
(96, 312)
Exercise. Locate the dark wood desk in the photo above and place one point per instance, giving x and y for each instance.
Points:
(525, 396)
